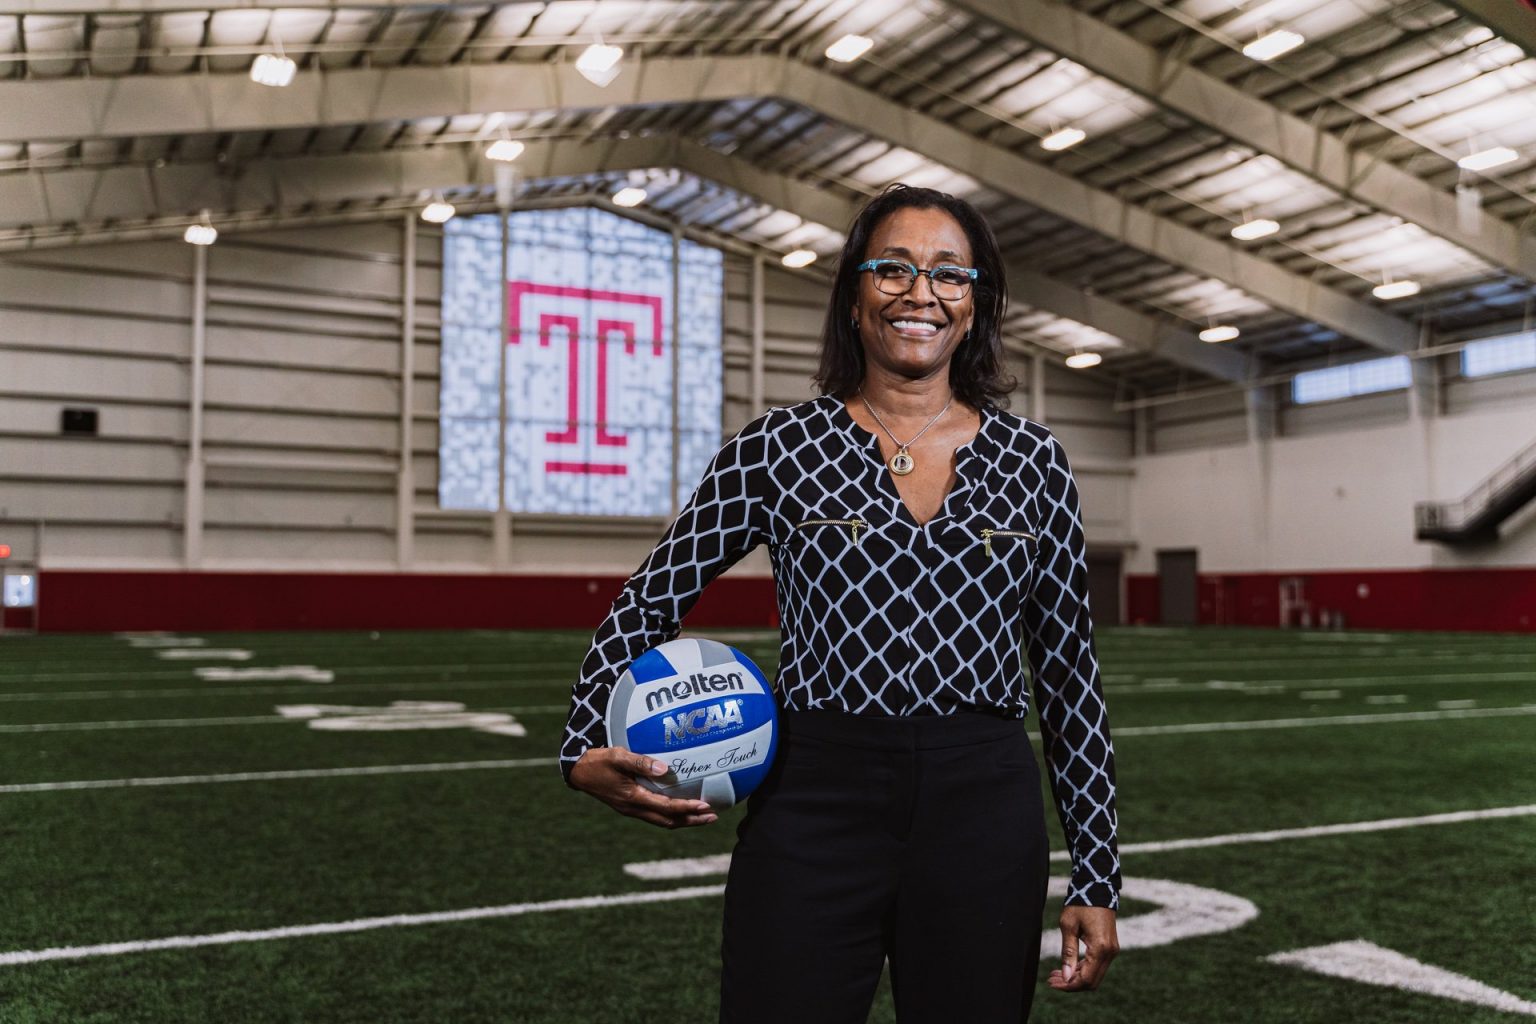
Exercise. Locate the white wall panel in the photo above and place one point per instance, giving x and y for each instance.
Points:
(1337, 500)
(303, 353)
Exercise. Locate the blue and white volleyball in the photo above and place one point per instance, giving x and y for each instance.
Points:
(705, 711)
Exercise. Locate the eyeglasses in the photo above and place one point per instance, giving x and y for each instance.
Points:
(896, 277)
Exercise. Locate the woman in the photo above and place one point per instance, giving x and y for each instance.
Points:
(915, 529)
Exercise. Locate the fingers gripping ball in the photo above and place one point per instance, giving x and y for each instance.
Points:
(702, 709)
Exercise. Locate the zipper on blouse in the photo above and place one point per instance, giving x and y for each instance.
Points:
(854, 525)
(987, 535)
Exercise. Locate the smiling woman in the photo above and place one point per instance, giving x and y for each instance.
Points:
(916, 531)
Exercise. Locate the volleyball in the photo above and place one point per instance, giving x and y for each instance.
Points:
(704, 710)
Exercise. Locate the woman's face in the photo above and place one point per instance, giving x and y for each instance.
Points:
(915, 334)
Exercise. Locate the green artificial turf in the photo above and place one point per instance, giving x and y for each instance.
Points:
(92, 866)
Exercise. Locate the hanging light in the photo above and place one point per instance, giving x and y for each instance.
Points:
(505, 150)
(849, 48)
(273, 69)
(1390, 289)
(599, 63)
(1083, 360)
(1488, 159)
(1273, 44)
(1221, 332)
(799, 258)
(1066, 138)
(438, 211)
(1260, 228)
(629, 195)
(201, 233)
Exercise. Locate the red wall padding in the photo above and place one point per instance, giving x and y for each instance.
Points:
(1453, 599)
(74, 601)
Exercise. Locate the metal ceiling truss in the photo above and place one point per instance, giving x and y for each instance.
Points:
(131, 194)
(1247, 119)
(75, 109)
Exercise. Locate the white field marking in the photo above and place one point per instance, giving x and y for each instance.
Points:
(1389, 698)
(1183, 912)
(1321, 720)
(1362, 638)
(1382, 659)
(1455, 705)
(719, 863)
(192, 723)
(1321, 694)
(363, 924)
(299, 773)
(258, 691)
(158, 723)
(402, 716)
(165, 641)
(307, 673)
(1375, 965)
(1346, 682)
(204, 654)
(350, 670)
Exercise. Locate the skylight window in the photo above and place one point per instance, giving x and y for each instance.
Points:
(1374, 375)
(1499, 355)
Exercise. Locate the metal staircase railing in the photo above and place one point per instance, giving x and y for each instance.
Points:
(1476, 517)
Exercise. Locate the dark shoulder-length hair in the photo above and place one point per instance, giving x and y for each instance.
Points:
(976, 370)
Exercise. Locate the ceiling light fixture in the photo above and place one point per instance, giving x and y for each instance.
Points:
(799, 258)
(1395, 289)
(629, 195)
(1251, 229)
(505, 150)
(1273, 44)
(1083, 360)
(1487, 159)
(1222, 332)
(273, 69)
(201, 233)
(849, 48)
(1066, 138)
(599, 63)
(438, 211)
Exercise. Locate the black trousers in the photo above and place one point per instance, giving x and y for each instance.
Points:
(918, 840)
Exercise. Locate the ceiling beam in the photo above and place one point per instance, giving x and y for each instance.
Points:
(162, 105)
(168, 6)
(1252, 121)
(140, 195)
(1513, 21)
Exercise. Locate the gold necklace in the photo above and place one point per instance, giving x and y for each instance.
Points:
(902, 462)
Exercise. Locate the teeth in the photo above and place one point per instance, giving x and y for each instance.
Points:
(909, 325)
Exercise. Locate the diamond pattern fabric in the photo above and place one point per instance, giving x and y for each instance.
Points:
(882, 615)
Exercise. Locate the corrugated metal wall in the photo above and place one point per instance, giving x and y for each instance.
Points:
(301, 408)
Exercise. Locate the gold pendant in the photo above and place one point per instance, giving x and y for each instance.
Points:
(901, 463)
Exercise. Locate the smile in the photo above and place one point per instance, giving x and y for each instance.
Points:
(915, 328)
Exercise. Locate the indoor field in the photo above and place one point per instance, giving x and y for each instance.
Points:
(892, 412)
(1355, 786)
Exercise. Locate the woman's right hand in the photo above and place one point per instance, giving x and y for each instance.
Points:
(609, 773)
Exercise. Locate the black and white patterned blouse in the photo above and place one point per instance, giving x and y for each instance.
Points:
(883, 616)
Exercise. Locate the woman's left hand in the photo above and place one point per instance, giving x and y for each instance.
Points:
(1095, 926)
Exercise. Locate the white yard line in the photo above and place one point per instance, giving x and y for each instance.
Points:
(715, 866)
(187, 723)
(368, 669)
(298, 773)
(1314, 831)
(1160, 686)
(215, 690)
(719, 863)
(1321, 720)
(362, 924)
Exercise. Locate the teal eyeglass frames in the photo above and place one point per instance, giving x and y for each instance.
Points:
(896, 277)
